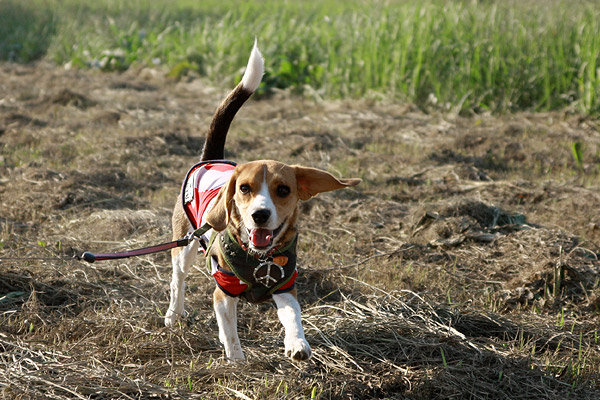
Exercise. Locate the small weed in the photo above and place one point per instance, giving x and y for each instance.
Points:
(182, 69)
(577, 151)
(561, 318)
(314, 395)
(285, 387)
(444, 363)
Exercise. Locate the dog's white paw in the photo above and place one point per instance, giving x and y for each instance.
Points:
(237, 356)
(297, 349)
(232, 346)
(170, 318)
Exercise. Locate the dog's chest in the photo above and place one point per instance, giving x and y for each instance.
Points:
(260, 276)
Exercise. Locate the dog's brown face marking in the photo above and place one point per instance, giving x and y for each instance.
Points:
(266, 202)
(261, 200)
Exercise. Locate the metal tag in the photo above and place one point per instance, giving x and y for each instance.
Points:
(266, 279)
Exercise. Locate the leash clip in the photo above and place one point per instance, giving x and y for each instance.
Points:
(187, 239)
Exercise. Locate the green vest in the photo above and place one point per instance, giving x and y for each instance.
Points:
(265, 275)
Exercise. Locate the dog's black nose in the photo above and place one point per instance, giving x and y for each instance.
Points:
(261, 216)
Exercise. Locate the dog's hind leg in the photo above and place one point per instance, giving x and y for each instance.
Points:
(182, 259)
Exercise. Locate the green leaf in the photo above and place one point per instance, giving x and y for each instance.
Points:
(12, 295)
(577, 149)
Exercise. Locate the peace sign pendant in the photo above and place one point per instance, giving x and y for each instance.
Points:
(266, 279)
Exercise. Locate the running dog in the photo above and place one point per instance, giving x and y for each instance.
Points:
(248, 213)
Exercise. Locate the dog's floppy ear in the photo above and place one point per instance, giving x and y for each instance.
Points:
(218, 216)
(312, 181)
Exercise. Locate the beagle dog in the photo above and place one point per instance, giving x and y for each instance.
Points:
(248, 213)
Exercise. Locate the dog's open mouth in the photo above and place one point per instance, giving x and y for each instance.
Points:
(260, 237)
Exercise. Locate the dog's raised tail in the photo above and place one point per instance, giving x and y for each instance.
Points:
(214, 146)
(254, 70)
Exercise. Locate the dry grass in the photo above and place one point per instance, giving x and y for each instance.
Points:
(465, 265)
(79, 342)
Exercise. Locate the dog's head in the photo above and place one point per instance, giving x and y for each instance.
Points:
(261, 200)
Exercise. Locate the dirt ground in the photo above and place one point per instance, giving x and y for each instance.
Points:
(464, 266)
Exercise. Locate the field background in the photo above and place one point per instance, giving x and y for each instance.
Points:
(456, 55)
(464, 266)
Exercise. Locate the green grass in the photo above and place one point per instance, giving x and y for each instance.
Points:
(461, 55)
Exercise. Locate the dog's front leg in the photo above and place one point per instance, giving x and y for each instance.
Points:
(226, 311)
(288, 310)
(182, 259)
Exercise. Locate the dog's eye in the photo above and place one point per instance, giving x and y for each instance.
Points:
(245, 189)
(283, 191)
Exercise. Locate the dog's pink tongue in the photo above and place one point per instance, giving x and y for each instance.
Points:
(261, 237)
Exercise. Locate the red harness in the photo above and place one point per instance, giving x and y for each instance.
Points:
(200, 187)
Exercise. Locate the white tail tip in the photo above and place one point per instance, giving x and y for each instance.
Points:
(254, 70)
